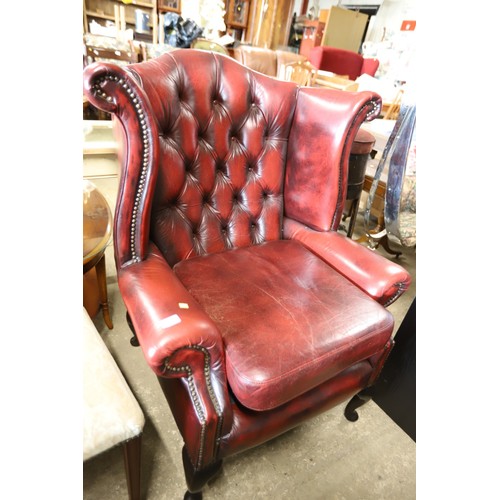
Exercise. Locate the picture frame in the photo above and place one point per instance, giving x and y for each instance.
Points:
(170, 6)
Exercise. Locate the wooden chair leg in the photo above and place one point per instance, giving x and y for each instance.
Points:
(103, 291)
(353, 213)
(132, 457)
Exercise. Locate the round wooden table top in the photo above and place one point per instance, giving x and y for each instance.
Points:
(97, 224)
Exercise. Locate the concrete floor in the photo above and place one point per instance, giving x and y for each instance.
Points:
(326, 458)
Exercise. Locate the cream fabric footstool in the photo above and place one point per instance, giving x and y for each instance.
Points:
(111, 413)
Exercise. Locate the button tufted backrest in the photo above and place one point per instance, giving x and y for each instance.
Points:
(215, 156)
(223, 144)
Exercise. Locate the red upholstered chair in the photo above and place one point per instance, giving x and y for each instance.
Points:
(342, 62)
(254, 313)
(370, 66)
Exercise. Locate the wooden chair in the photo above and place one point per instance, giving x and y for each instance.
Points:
(302, 73)
(392, 112)
(120, 57)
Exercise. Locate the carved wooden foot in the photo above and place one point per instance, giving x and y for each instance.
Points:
(193, 496)
(358, 400)
(197, 479)
(385, 245)
(133, 340)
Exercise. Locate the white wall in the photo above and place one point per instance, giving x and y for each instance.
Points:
(389, 18)
(296, 6)
(191, 10)
(395, 49)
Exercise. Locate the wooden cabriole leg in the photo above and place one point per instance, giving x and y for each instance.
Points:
(384, 241)
(132, 457)
(358, 400)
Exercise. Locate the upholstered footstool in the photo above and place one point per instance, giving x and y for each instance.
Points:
(111, 414)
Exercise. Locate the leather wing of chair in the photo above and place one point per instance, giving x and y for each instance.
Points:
(253, 312)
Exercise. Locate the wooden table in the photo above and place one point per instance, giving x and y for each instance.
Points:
(97, 224)
(377, 210)
(334, 81)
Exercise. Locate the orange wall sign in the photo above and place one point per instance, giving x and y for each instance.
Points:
(408, 25)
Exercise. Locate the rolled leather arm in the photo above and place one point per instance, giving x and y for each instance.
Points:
(180, 341)
(377, 276)
(165, 316)
(169, 323)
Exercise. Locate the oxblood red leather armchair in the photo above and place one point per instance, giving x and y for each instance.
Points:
(254, 313)
(342, 62)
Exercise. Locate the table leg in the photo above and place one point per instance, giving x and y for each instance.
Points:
(132, 457)
(103, 291)
(353, 214)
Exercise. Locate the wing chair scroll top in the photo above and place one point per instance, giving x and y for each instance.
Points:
(253, 312)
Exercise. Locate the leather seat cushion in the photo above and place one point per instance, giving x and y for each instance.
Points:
(289, 321)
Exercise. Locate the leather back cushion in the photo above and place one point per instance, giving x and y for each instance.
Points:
(340, 61)
(223, 144)
(257, 58)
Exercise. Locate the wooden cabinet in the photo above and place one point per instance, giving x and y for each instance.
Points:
(311, 36)
(237, 13)
(123, 15)
(100, 11)
(269, 23)
(169, 6)
(236, 18)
